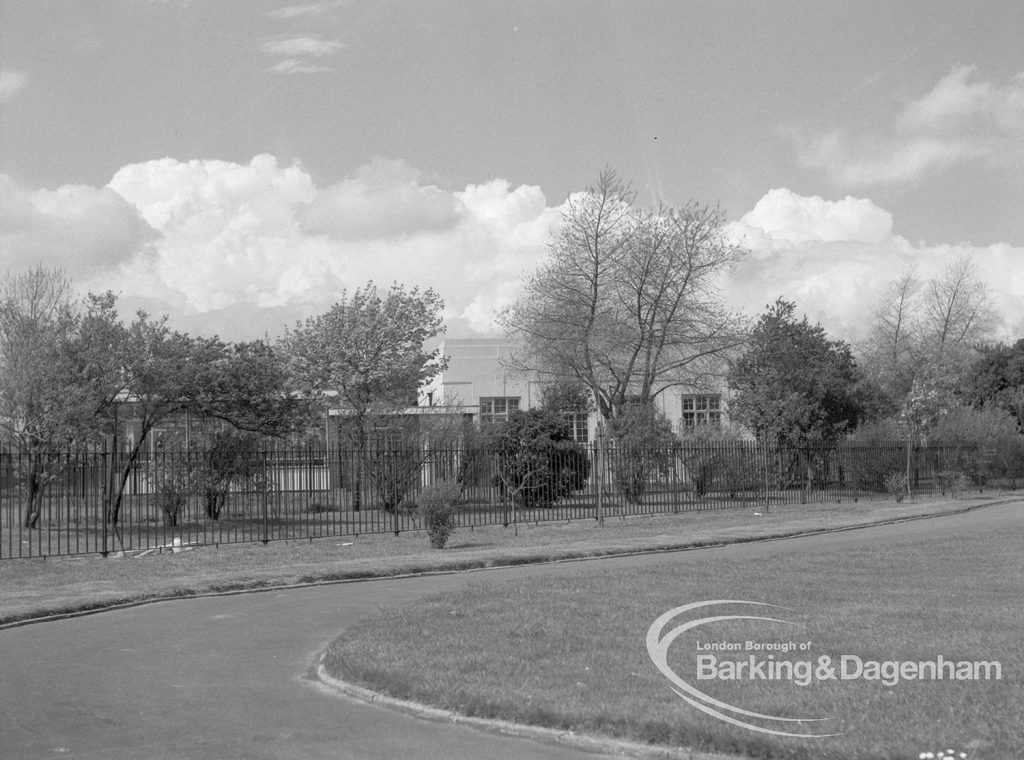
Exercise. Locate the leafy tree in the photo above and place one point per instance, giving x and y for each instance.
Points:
(164, 373)
(71, 372)
(997, 377)
(55, 376)
(793, 385)
(536, 460)
(643, 448)
(37, 324)
(367, 356)
(626, 303)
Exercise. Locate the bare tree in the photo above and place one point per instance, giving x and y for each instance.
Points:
(923, 337)
(627, 301)
(956, 309)
(889, 352)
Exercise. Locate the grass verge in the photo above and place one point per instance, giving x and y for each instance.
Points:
(34, 588)
(573, 657)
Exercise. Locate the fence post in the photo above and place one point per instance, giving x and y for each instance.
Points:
(599, 458)
(767, 497)
(263, 498)
(108, 506)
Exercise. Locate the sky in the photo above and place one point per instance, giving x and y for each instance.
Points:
(237, 165)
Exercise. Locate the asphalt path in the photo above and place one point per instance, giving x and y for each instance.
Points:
(227, 677)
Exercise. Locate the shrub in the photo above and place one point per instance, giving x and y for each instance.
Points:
(952, 482)
(987, 442)
(173, 483)
(537, 462)
(437, 507)
(869, 463)
(718, 457)
(896, 485)
(644, 445)
(233, 461)
(393, 468)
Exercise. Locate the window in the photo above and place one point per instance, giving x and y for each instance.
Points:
(498, 409)
(578, 426)
(702, 410)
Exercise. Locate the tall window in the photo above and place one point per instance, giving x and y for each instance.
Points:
(702, 410)
(577, 422)
(498, 409)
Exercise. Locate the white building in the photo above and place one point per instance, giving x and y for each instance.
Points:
(478, 383)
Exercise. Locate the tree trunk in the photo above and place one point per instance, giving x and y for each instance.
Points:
(215, 498)
(32, 502)
(115, 508)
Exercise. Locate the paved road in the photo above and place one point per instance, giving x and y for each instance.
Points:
(223, 677)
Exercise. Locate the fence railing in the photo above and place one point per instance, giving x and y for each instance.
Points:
(99, 501)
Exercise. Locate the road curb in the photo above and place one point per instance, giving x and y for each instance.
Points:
(584, 742)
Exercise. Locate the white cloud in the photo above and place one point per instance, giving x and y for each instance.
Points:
(383, 199)
(313, 47)
(11, 83)
(240, 249)
(959, 120)
(301, 11)
(294, 66)
(301, 54)
(230, 239)
(77, 227)
(835, 259)
(957, 104)
(783, 215)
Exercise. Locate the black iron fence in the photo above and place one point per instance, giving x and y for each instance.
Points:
(100, 501)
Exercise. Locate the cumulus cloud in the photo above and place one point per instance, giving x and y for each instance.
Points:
(836, 258)
(960, 119)
(243, 249)
(11, 83)
(383, 199)
(783, 215)
(222, 244)
(80, 228)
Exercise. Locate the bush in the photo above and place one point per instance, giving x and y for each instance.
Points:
(987, 440)
(896, 485)
(393, 468)
(437, 507)
(233, 460)
(173, 483)
(717, 457)
(953, 482)
(644, 445)
(537, 462)
(869, 464)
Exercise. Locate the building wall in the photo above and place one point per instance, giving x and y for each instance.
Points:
(476, 371)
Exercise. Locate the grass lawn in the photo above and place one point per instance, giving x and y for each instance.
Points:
(574, 656)
(35, 587)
